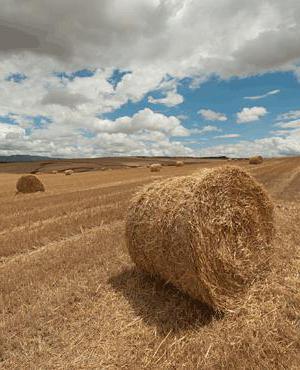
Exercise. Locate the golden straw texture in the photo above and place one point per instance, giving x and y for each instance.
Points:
(156, 167)
(209, 234)
(256, 160)
(29, 184)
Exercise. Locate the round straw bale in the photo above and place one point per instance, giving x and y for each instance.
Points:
(54, 172)
(155, 167)
(209, 234)
(29, 184)
(256, 160)
(69, 172)
(179, 163)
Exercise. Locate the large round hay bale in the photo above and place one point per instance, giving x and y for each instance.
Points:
(256, 160)
(209, 234)
(155, 167)
(29, 184)
(179, 163)
(69, 172)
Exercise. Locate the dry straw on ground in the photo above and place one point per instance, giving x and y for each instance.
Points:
(210, 235)
(156, 167)
(179, 163)
(256, 160)
(69, 172)
(29, 184)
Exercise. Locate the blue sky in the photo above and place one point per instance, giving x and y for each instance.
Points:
(227, 97)
(150, 77)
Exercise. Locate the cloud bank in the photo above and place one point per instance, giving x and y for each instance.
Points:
(154, 45)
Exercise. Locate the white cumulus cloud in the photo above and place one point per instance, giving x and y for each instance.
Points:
(291, 115)
(251, 114)
(170, 100)
(211, 115)
(8, 131)
(145, 119)
(270, 147)
(289, 124)
(205, 129)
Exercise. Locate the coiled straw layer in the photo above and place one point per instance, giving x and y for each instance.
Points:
(209, 234)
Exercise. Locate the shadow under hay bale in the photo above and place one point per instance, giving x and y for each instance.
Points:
(256, 160)
(209, 234)
(29, 184)
(160, 304)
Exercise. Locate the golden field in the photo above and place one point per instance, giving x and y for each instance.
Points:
(72, 299)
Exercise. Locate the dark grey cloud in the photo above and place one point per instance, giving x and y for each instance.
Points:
(14, 39)
(182, 37)
(64, 98)
(270, 49)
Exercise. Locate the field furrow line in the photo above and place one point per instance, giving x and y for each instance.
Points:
(29, 218)
(283, 187)
(24, 240)
(36, 200)
(30, 226)
(88, 232)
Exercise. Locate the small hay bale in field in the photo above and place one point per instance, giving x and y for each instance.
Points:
(29, 184)
(54, 172)
(209, 234)
(256, 160)
(155, 167)
(69, 172)
(179, 163)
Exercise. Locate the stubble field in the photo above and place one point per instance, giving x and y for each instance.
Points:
(72, 299)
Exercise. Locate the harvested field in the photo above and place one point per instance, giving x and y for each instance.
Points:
(71, 297)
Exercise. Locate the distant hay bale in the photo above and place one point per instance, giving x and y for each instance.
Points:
(179, 163)
(209, 234)
(54, 172)
(29, 184)
(69, 172)
(155, 167)
(256, 160)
